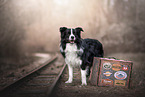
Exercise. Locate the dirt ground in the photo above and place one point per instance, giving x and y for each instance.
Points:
(137, 89)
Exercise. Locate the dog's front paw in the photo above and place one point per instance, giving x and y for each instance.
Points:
(68, 81)
(84, 84)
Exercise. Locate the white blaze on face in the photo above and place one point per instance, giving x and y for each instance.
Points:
(72, 35)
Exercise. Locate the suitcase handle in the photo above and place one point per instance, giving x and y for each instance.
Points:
(112, 58)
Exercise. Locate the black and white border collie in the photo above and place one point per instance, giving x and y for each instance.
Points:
(78, 52)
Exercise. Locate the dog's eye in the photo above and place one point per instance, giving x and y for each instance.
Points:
(74, 32)
(69, 32)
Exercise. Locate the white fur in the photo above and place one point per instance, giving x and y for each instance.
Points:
(71, 56)
(72, 60)
(70, 79)
(61, 49)
(71, 35)
(83, 75)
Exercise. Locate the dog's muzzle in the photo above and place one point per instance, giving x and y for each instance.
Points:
(72, 39)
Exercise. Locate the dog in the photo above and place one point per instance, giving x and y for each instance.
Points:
(78, 52)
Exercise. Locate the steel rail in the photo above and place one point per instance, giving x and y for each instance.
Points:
(54, 84)
(28, 74)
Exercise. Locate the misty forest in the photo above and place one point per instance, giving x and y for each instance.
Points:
(30, 26)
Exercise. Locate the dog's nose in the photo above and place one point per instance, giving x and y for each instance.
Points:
(72, 37)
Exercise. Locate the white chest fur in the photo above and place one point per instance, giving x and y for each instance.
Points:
(71, 55)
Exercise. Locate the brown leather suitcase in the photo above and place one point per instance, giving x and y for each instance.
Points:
(111, 72)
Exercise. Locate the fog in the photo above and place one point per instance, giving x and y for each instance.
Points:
(28, 26)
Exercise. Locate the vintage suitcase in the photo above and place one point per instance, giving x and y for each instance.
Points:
(111, 72)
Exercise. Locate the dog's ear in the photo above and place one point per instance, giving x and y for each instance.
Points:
(79, 29)
(62, 29)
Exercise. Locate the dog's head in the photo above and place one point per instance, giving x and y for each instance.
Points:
(70, 35)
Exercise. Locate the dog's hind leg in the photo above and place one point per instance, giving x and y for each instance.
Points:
(70, 79)
(83, 75)
(87, 71)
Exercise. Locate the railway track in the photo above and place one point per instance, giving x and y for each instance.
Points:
(40, 82)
